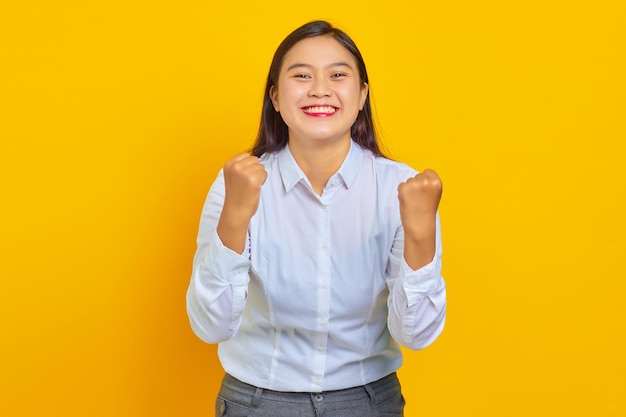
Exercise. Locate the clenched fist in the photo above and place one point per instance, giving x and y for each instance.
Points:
(419, 198)
(243, 177)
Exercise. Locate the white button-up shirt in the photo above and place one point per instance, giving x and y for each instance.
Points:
(321, 296)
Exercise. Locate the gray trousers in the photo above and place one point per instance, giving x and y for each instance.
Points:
(378, 399)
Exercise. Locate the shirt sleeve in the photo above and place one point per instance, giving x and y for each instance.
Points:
(217, 292)
(417, 299)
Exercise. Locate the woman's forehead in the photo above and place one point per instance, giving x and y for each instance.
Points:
(319, 51)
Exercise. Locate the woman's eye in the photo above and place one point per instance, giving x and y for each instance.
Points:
(338, 75)
(303, 76)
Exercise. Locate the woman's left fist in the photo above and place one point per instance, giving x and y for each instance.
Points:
(419, 197)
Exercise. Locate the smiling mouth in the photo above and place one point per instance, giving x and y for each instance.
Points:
(320, 110)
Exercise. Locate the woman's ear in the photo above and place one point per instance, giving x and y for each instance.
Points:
(364, 91)
(274, 97)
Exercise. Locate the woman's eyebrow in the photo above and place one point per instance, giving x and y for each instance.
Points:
(309, 66)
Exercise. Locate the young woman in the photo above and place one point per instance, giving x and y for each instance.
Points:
(317, 256)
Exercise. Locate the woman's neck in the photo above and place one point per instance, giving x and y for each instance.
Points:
(319, 161)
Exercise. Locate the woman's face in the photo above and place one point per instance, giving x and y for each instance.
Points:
(319, 93)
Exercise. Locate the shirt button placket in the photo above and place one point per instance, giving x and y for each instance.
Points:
(323, 294)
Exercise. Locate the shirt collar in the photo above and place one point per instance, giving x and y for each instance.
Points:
(291, 173)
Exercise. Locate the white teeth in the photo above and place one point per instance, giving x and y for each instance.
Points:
(320, 109)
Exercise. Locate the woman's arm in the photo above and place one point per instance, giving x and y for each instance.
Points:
(217, 292)
(417, 300)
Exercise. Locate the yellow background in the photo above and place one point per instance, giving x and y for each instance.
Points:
(116, 116)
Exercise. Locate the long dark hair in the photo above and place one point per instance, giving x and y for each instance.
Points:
(273, 132)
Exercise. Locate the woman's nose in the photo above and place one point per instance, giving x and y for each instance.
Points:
(320, 88)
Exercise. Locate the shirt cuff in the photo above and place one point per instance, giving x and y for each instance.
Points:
(422, 281)
(226, 264)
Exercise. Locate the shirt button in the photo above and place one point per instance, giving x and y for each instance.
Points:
(322, 322)
(324, 245)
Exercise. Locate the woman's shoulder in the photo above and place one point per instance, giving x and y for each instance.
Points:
(392, 167)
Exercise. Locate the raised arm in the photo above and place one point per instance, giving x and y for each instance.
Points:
(217, 292)
(417, 299)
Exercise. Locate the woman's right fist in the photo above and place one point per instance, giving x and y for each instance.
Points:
(243, 177)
